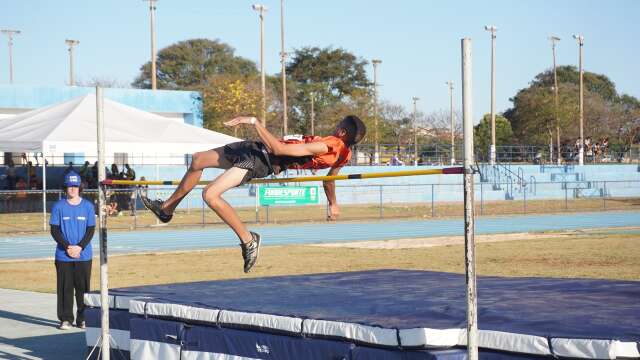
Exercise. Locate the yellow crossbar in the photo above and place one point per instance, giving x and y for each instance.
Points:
(444, 171)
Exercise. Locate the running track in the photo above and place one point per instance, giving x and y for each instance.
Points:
(42, 246)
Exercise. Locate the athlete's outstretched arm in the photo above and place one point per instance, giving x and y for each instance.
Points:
(276, 147)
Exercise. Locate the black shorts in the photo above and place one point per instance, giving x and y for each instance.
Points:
(250, 155)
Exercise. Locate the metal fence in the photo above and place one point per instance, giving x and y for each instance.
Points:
(440, 154)
(21, 211)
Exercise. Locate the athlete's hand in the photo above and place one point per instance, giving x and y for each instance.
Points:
(241, 120)
(334, 212)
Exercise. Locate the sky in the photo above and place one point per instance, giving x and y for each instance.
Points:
(418, 41)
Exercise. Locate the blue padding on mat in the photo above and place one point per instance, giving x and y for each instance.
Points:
(118, 319)
(165, 331)
(259, 345)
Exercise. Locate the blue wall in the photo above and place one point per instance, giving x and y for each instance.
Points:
(188, 103)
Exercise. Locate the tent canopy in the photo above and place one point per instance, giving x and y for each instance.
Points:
(71, 127)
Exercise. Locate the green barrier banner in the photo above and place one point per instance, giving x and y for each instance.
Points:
(288, 195)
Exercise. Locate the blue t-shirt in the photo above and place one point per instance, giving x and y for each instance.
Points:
(73, 221)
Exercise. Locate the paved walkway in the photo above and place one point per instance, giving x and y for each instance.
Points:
(28, 329)
(41, 246)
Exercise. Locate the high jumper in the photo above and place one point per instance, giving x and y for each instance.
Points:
(246, 160)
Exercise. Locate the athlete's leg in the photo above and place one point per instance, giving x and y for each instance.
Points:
(200, 161)
(212, 195)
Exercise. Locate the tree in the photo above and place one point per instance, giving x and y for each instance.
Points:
(533, 115)
(333, 77)
(482, 133)
(229, 96)
(190, 63)
(595, 83)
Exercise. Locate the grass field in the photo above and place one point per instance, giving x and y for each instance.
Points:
(592, 254)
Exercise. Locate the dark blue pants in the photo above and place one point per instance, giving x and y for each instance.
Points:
(72, 276)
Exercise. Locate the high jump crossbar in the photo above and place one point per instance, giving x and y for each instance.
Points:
(444, 171)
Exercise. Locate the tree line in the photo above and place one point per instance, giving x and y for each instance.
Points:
(334, 82)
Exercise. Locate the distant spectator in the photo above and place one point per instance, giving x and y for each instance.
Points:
(30, 170)
(34, 183)
(128, 173)
(395, 161)
(85, 172)
(94, 176)
(12, 178)
(69, 168)
(115, 173)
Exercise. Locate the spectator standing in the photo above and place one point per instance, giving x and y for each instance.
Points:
(128, 173)
(94, 176)
(68, 169)
(72, 226)
(85, 172)
(12, 178)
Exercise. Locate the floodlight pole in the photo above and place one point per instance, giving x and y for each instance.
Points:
(580, 40)
(554, 40)
(152, 18)
(415, 131)
(283, 56)
(492, 29)
(71, 44)
(453, 149)
(261, 9)
(376, 155)
(469, 227)
(102, 230)
(10, 34)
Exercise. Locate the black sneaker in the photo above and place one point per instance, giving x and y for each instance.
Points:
(250, 252)
(156, 207)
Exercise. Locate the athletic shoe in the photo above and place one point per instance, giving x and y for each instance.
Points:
(250, 252)
(156, 208)
(64, 325)
(81, 325)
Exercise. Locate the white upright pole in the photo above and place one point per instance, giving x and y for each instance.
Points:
(102, 228)
(469, 230)
(44, 191)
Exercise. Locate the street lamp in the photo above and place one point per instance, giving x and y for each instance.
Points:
(152, 16)
(492, 29)
(261, 10)
(71, 44)
(453, 149)
(283, 56)
(580, 40)
(375, 63)
(10, 34)
(415, 131)
(554, 40)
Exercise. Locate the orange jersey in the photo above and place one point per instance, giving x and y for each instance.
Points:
(338, 155)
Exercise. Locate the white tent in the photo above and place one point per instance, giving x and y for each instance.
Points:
(71, 127)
